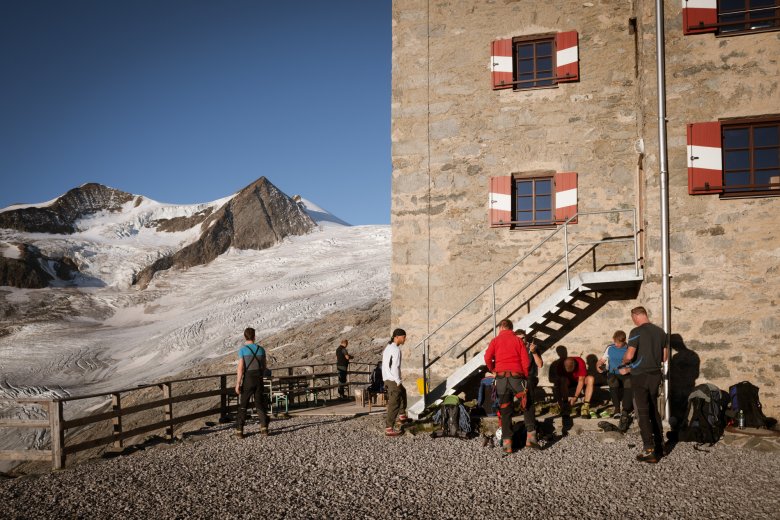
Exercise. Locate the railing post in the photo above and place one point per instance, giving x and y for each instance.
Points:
(636, 244)
(57, 435)
(116, 406)
(167, 394)
(425, 379)
(223, 399)
(566, 252)
(493, 290)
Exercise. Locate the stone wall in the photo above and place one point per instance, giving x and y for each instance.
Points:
(451, 132)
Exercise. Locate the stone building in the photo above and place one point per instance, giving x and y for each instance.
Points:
(510, 117)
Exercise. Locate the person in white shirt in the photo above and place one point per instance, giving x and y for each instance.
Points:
(396, 393)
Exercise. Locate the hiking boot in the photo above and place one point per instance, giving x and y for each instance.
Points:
(390, 432)
(239, 433)
(403, 419)
(604, 414)
(585, 411)
(648, 456)
(625, 422)
(530, 442)
(617, 415)
(555, 409)
(506, 445)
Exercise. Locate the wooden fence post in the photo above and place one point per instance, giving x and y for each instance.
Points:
(57, 435)
(116, 406)
(223, 399)
(168, 410)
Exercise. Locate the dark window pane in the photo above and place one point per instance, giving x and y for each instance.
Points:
(525, 204)
(525, 188)
(731, 5)
(543, 187)
(525, 66)
(544, 216)
(768, 177)
(736, 178)
(525, 51)
(736, 138)
(544, 203)
(766, 136)
(544, 49)
(544, 64)
(738, 160)
(767, 158)
(729, 18)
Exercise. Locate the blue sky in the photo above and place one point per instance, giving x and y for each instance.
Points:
(187, 101)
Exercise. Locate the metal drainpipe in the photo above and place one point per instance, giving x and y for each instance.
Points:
(664, 181)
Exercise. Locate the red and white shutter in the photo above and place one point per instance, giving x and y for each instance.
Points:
(565, 196)
(699, 13)
(500, 201)
(501, 64)
(705, 159)
(567, 57)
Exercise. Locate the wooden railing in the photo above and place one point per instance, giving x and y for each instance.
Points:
(58, 425)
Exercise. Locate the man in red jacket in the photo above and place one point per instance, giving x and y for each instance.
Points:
(507, 357)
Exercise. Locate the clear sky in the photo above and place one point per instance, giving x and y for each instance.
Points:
(188, 101)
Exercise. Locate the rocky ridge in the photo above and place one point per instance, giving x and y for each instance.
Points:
(257, 217)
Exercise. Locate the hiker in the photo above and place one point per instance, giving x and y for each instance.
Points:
(535, 363)
(619, 384)
(249, 382)
(507, 357)
(396, 393)
(573, 373)
(342, 365)
(647, 350)
(486, 394)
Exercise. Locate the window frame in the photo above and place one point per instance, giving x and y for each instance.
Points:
(719, 25)
(533, 178)
(534, 39)
(752, 189)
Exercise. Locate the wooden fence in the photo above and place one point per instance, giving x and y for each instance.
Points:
(58, 424)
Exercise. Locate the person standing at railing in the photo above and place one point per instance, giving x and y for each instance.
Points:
(342, 366)
(396, 393)
(507, 357)
(249, 382)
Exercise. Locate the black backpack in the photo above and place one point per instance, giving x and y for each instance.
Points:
(704, 419)
(449, 419)
(744, 396)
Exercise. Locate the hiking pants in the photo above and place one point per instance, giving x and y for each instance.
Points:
(507, 388)
(646, 388)
(343, 391)
(621, 392)
(253, 386)
(396, 402)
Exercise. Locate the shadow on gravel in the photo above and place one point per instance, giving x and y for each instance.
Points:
(298, 427)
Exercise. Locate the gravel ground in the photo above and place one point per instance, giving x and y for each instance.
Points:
(344, 468)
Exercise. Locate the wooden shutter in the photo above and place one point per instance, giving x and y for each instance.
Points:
(565, 196)
(500, 201)
(705, 159)
(567, 57)
(501, 64)
(699, 13)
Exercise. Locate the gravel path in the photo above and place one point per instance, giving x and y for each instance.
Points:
(335, 468)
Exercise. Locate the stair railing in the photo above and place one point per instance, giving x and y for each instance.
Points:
(495, 309)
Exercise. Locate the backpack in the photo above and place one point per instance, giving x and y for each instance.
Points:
(744, 396)
(376, 383)
(453, 419)
(703, 421)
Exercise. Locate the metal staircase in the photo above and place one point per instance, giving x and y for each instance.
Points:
(581, 277)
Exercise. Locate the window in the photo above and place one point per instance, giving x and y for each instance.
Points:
(527, 62)
(751, 157)
(727, 17)
(735, 157)
(534, 63)
(532, 200)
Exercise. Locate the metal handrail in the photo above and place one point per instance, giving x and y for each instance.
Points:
(495, 309)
